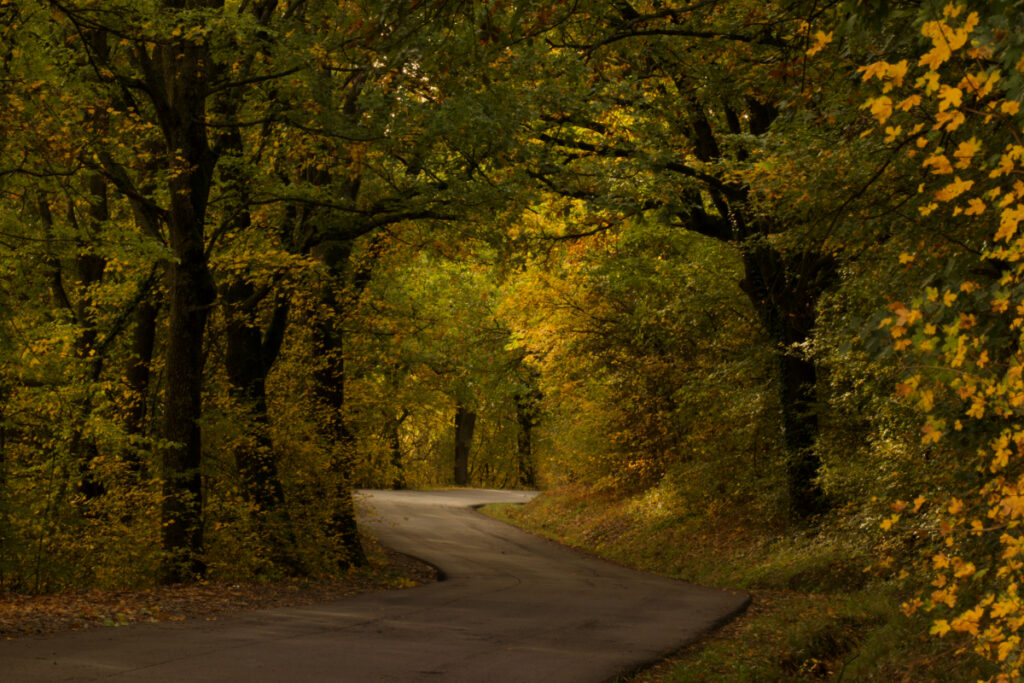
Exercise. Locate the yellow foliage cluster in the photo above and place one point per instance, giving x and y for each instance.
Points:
(967, 377)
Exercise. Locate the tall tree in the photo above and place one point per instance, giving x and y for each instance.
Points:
(684, 110)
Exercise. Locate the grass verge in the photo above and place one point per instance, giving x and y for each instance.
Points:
(816, 613)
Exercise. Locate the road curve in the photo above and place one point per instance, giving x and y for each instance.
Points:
(514, 608)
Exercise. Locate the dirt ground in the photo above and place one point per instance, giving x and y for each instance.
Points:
(22, 615)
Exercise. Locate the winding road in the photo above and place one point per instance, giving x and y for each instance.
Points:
(512, 608)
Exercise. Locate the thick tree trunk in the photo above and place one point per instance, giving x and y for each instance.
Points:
(465, 423)
(248, 361)
(785, 293)
(177, 77)
(91, 268)
(247, 373)
(329, 384)
(191, 295)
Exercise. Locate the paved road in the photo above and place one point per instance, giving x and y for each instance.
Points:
(514, 608)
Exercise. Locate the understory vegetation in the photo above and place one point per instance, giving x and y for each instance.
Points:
(741, 281)
(822, 609)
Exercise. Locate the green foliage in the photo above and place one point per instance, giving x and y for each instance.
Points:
(646, 348)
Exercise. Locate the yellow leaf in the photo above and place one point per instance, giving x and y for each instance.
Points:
(1009, 219)
(940, 628)
(975, 207)
(934, 58)
(954, 189)
(950, 120)
(977, 409)
(887, 523)
(931, 434)
(880, 107)
(876, 70)
(929, 82)
(821, 39)
(1007, 646)
(1005, 166)
(949, 97)
(927, 400)
(939, 163)
(1010, 107)
(909, 103)
(965, 152)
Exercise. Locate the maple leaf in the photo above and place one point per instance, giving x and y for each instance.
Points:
(954, 189)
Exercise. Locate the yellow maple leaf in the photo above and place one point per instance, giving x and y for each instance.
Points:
(950, 120)
(975, 207)
(977, 409)
(935, 57)
(909, 103)
(1009, 219)
(939, 163)
(965, 151)
(950, 97)
(954, 189)
(821, 39)
(971, 22)
(1007, 646)
(896, 72)
(880, 107)
(876, 70)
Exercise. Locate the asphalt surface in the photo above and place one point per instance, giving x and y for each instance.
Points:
(513, 608)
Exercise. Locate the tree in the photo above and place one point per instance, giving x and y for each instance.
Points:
(699, 130)
(958, 334)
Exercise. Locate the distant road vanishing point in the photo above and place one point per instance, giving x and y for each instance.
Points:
(513, 608)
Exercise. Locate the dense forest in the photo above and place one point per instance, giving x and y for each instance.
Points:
(752, 262)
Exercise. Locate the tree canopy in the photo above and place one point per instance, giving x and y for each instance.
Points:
(256, 254)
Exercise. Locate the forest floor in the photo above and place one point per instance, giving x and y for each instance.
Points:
(22, 615)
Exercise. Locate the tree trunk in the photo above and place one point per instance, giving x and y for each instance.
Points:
(398, 481)
(177, 80)
(137, 377)
(247, 372)
(91, 268)
(785, 292)
(526, 416)
(465, 423)
(182, 512)
(248, 360)
(329, 387)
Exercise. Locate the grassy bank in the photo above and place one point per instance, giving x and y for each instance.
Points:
(819, 611)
